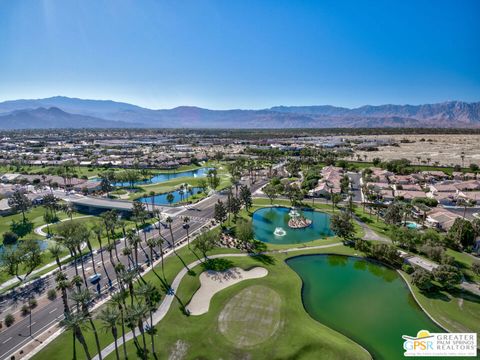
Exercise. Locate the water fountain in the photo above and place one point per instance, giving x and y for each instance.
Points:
(297, 221)
(279, 232)
(294, 213)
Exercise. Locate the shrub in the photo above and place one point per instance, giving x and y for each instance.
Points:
(25, 309)
(9, 238)
(408, 268)
(447, 275)
(476, 268)
(217, 264)
(422, 279)
(51, 294)
(9, 320)
(32, 302)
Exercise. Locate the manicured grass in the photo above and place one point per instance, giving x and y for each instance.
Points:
(297, 336)
(465, 262)
(373, 223)
(35, 215)
(458, 312)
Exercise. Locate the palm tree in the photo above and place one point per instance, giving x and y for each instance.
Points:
(127, 278)
(152, 298)
(97, 230)
(63, 285)
(75, 323)
(56, 251)
(133, 241)
(110, 316)
(151, 243)
(84, 298)
(152, 198)
(169, 221)
(118, 299)
(136, 315)
(186, 226)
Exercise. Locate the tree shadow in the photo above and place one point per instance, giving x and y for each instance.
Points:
(263, 258)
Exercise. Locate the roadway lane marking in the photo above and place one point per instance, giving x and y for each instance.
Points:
(52, 311)
(10, 338)
(33, 323)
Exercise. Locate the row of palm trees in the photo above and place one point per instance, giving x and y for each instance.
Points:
(120, 313)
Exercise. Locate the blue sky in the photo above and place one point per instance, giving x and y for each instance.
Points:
(241, 54)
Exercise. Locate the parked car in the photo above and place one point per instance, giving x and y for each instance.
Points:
(94, 278)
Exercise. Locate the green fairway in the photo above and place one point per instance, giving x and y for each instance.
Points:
(251, 317)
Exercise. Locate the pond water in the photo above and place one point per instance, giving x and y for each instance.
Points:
(162, 177)
(161, 199)
(42, 243)
(368, 302)
(270, 225)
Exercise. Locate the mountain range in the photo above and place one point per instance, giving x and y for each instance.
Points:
(65, 112)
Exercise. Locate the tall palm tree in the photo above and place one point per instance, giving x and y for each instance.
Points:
(151, 243)
(152, 198)
(97, 230)
(118, 299)
(127, 278)
(83, 298)
(186, 226)
(56, 251)
(63, 285)
(169, 221)
(134, 241)
(136, 315)
(152, 297)
(109, 317)
(75, 323)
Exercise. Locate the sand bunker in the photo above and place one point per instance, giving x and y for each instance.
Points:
(212, 282)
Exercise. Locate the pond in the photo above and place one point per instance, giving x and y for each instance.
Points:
(368, 302)
(161, 199)
(270, 225)
(162, 177)
(42, 243)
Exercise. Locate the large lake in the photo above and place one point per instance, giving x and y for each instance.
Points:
(368, 302)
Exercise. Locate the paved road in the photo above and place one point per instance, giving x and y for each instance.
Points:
(47, 313)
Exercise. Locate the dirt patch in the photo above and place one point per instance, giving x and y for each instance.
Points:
(251, 317)
(178, 350)
(423, 149)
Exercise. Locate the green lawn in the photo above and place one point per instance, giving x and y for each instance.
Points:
(465, 262)
(35, 215)
(458, 312)
(375, 224)
(298, 335)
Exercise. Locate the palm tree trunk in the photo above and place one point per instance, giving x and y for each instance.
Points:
(97, 341)
(142, 331)
(101, 257)
(81, 339)
(66, 308)
(83, 268)
(114, 333)
(74, 346)
(123, 333)
(152, 335)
